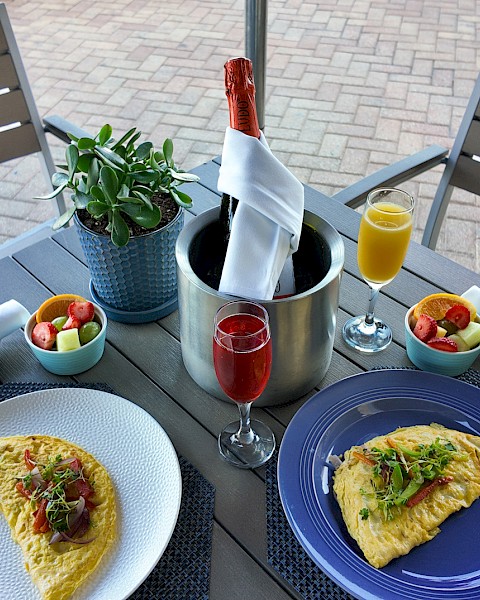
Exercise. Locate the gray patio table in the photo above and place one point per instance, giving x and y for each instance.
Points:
(143, 363)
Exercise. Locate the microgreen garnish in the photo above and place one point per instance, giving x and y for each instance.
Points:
(398, 473)
(50, 486)
(50, 467)
(364, 513)
(27, 481)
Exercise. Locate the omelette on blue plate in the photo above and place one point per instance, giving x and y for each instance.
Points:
(397, 489)
(59, 502)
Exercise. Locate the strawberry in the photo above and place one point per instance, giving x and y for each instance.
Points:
(83, 311)
(72, 323)
(426, 328)
(458, 314)
(444, 344)
(44, 335)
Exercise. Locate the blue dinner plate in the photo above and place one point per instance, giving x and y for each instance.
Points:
(351, 412)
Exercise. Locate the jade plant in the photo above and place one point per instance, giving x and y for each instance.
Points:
(117, 180)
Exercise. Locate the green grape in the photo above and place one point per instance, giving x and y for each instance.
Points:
(88, 331)
(448, 325)
(59, 322)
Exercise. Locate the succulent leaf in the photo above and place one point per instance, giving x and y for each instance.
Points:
(71, 154)
(124, 138)
(181, 176)
(105, 134)
(168, 152)
(119, 233)
(97, 209)
(109, 183)
(181, 198)
(143, 150)
(110, 158)
(93, 172)
(81, 199)
(60, 179)
(86, 143)
(142, 215)
(64, 219)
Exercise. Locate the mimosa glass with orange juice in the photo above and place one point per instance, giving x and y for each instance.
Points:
(383, 239)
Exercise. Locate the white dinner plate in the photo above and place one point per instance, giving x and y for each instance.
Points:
(142, 464)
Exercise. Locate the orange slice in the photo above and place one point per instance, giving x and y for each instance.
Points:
(56, 306)
(436, 305)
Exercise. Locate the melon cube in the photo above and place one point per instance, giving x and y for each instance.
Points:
(471, 334)
(68, 340)
(461, 344)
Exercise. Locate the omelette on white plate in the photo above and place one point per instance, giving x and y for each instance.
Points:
(397, 489)
(59, 502)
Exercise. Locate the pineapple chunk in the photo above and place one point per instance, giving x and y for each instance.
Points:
(471, 334)
(69, 340)
(441, 332)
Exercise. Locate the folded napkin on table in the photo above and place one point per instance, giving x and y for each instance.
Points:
(473, 294)
(13, 315)
(268, 220)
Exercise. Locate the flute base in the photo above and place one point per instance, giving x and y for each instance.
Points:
(247, 455)
(367, 337)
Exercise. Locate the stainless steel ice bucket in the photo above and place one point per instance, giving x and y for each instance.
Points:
(302, 326)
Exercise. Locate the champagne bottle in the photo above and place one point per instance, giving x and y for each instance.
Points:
(240, 92)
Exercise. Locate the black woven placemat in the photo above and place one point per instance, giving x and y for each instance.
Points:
(183, 572)
(285, 552)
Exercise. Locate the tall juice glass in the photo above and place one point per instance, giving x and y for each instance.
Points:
(242, 357)
(383, 238)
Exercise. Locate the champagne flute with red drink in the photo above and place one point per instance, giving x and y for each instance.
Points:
(242, 357)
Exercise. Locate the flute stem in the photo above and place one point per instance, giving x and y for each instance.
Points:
(369, 317)
(245, 434)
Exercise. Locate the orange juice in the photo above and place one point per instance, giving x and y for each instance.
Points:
(383, 240)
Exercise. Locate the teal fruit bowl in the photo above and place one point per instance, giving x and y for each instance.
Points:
(436, 361)
(73, 361)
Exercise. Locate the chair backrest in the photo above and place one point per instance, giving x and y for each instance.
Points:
(21, 130)
(462, 167)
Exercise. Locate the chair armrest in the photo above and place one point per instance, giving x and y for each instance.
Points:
(355, 195)
(59, 127)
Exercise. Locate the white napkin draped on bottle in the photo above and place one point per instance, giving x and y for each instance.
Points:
(267, 224)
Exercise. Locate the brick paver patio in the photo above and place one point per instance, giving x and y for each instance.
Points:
(352, 85)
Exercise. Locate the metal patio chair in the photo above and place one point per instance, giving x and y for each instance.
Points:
(21, 129)
(462, 170)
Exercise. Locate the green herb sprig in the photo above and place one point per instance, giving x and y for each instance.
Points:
(58, 508)
(398, 473)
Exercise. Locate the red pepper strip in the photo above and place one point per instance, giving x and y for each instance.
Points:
(82, 486)
(28, 460)
(40, 523)
(363, 458)
(424, 492)
(21, 488)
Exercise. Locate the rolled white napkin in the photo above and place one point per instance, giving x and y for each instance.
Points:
(13, 315)
(267, 224)
(473, 295)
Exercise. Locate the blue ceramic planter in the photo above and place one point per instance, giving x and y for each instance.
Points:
(138, 282)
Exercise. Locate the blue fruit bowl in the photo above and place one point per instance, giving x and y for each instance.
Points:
(436, 361)
(74, 361)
